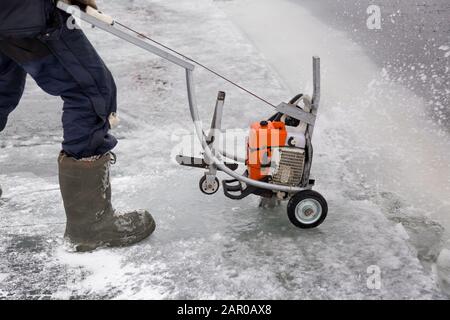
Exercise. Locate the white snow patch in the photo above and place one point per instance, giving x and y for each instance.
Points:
(105, 269)
(445, 48)
(3, 276)
(103, 264)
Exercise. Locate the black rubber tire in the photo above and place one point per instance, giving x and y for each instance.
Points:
(303, 195)
(200, 185)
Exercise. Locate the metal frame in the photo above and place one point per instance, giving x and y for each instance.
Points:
(212, 156)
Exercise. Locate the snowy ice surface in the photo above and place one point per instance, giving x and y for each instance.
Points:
(399, 158)
(213, 247)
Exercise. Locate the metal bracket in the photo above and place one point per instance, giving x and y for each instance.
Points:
(297, 113)
(216, 124)
(214, 133)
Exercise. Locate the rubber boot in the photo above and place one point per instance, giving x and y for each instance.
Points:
(91, 220)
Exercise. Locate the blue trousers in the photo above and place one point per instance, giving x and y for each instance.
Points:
(63, 64)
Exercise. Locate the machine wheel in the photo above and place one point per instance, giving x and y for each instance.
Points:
(211, 188)
(307, 209)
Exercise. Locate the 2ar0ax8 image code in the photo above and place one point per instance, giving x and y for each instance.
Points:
(224, 310)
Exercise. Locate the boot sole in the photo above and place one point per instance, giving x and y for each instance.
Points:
(117, 243)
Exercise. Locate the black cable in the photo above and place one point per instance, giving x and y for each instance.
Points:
(197, 63)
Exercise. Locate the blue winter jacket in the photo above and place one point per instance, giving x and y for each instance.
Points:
(24, 18)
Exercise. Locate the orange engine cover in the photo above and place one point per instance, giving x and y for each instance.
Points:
(264, 136)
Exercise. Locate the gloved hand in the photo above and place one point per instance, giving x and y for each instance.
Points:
(83, 3)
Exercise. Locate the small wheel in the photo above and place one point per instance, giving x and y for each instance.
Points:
(307, 209)
(209, 188)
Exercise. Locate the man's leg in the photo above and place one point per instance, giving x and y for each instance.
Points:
(12, 83)
(85, 185)
(69, 67)
(73, 53)
(87, 89)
